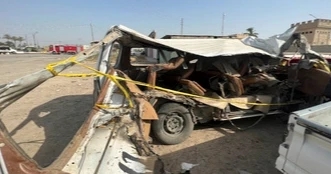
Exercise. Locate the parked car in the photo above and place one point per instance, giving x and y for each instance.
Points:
(7, 50)
(30, 49)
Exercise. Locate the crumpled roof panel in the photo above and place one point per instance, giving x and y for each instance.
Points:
(212, 47)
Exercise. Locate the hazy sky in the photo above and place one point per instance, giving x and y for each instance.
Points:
(67, 21)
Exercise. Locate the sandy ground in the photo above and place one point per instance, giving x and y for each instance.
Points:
(44, 121)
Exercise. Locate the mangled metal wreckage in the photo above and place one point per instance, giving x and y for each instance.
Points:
(182, 83)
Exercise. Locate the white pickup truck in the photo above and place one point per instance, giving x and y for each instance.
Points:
(307, 147)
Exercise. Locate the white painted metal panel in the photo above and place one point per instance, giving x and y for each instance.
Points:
(214, 47)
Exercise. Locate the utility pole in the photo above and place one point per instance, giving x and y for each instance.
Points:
(313, 16)
(26, 40)
(181, 26)
(34, 38)
(223, 24)
(92, 34)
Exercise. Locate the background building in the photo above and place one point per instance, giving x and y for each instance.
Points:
(317, 32)
(232, 36)
(175, 36)
(239, 36)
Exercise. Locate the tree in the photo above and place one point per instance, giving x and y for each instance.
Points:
(20, 40)
(7, 36)
(251, 32)
(24, 45)
(15, 39)
(10, 44)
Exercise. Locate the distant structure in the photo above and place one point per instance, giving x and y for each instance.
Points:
(232, 36)
(94, 42)
(239, 36)
(317, 31)
(175, 36)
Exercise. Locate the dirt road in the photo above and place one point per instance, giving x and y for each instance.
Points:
(44, 121)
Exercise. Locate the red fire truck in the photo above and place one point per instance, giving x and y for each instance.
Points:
(65, 49)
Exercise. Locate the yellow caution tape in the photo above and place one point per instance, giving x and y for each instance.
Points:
(317, 64)
(127, 95)
(322, 65)
(50, 67)
(72, 59)
(81, 75)
(103, 106)
(197, 96)
(111, 77)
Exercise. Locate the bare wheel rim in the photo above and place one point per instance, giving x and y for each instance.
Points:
(174, 123)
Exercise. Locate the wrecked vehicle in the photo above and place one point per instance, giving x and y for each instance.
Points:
(115, 147)
(221, 79)
(199, 80)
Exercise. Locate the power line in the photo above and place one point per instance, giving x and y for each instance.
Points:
(92, 34)
(223, 16)
(26, 39)
(181, 26)
(34, 38)
(313, 16)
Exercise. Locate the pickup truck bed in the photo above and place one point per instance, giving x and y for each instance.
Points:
(307, 147)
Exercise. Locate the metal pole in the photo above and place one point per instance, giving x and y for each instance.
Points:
(181, 26)
(34, 38)
(26, 40)
(223, 24)
(92, 34)
(313, 16)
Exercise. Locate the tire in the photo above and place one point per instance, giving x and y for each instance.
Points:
(174, 125)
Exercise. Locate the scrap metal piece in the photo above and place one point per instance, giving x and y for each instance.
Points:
(263, 99)
(242, 102)
(147, 112)
(308, 83)
(186, 167)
